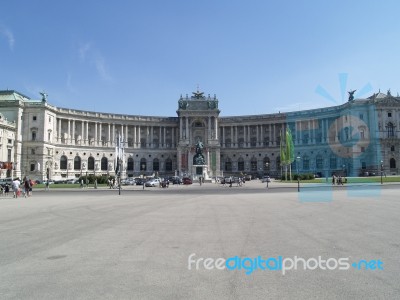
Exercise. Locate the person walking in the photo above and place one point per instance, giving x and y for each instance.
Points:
(15, 186)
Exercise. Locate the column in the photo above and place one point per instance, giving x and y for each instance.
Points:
(273, 134)
(138, 137)
(223, 136)
(216, 127)
(244, 135)
(100, 134)
(151, 137)
(109, 135)
(180, 128)
(82, 133)
(134, 137)
(236, 137)
(172, 137)
(336, 130)
(59, 130)
(69, 132)
(209, 128)
(271, 143)
(73, 132)
(87, 133)
(261, 136)
(160, 137)
(113, 135)
(95, 134)
(126, 136)
(165, 137)
(187, 128)
(232, 141)
(300, 133)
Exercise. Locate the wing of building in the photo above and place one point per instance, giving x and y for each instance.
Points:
(38, 140)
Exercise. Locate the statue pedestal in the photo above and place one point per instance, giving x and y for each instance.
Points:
(200, 171)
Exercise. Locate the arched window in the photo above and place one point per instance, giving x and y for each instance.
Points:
(306, 163)
(228, 165)
(392, 163)
(130, 164)
(143, 164)
(77, 163)
(319, 161)
(63, 162)
(228, 142)
(156, 164)
(333, 163)
(390, 129)
(104, 164)
(91, 163)
(253, 164)
(168, 165)
(241, 164)
(266, 164)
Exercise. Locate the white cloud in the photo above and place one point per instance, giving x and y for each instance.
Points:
(8, 35)
(83, 51)
(89, 54)
(101, 68)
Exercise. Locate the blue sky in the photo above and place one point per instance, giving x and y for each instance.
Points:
(138, 57)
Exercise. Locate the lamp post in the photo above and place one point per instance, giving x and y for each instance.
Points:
(298, 177)
(381, 171)
(143, 169)
(266, 165)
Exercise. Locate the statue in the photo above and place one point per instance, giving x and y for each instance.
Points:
(198, 159)
(389, 93)
(44, 96)
(351, 95)
(183, 104)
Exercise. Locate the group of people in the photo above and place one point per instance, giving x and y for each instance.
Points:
(18, 188)
(339, 180)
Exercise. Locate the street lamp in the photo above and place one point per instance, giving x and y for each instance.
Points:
(381, 171)
(266, 165)
(143, 169)
(298, 177)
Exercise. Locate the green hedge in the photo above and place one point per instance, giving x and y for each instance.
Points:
(306, 176)
(100, 179)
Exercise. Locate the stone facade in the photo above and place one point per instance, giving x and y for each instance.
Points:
(353, 138)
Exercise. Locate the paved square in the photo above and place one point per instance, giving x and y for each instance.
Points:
(96, 244)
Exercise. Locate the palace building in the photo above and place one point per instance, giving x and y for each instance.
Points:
(38, 139)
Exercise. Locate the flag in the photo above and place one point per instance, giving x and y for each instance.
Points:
(289, 147)
(282, 151)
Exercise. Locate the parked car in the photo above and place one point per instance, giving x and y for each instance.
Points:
(153, 182)
(72, 181)
(176, 180)
(140, 181)
(266, 179)
(187, 180)
(129, 181)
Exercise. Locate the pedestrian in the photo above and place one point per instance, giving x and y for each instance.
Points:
(230, 181)
(81, 183)
(95, 183)
(26, 187)
(6, 189)
(15, 186)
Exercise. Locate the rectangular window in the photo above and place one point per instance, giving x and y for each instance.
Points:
(389, 114)
(9, 141)
(362, 149)
(361, 117)
(33, 151)
(363, 165)
(9, 155)
(32, 167)
(34, 118)
(33, 136)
